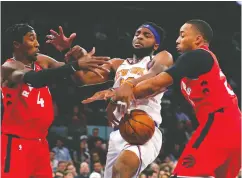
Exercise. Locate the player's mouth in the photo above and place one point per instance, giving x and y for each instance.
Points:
(138, 45)
(36, 53)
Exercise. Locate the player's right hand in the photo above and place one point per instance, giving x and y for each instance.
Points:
(101, 95)
(90, 62)
(59, 40)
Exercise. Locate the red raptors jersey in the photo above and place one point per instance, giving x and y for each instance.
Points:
(210, 91)
(28, 111)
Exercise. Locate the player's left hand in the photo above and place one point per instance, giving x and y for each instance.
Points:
(59, 40)
(75, 53)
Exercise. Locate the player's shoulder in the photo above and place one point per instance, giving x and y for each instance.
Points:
(13, 65)
(164, 53)
(44, 61)
(199, 57)
(164, 57)
(196, 53)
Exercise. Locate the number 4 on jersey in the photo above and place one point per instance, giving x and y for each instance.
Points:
(40, 100)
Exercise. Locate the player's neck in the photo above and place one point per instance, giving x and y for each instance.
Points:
(22, 58)
(140, 57)
(202, 45)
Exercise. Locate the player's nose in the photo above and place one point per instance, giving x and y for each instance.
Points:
(36, 44)
(140, 36)
(177, 41)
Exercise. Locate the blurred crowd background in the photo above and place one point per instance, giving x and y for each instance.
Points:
(79, 134)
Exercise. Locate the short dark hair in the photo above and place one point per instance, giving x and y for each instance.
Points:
(16, 33)
(161, 31)
(203, 27)
(97, 162)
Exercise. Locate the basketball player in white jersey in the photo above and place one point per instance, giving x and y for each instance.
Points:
(125, 160)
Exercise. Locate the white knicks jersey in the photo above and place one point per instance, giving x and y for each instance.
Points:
(151, 105)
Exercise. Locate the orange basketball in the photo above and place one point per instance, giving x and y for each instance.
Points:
(137, 127)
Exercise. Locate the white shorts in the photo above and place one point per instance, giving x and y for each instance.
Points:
(147, 153)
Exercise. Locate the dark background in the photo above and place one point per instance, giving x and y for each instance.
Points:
(110, 26)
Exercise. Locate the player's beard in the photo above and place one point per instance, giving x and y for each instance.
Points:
(142, 52)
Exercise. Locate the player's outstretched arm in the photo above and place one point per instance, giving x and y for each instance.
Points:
(100, 95)
(14, 72)
(79, 53)
(89, 77)
(152, 86)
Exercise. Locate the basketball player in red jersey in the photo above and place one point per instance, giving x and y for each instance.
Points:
(125, 160)
(28, 110)
(215, 148)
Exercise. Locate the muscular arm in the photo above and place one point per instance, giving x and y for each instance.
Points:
(14, 72)
(82, 76)
(151, 86)
(161, 62)
(191, 65)
(47, 62)
(86, 77)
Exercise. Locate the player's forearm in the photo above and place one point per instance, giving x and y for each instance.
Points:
(89, 77)
(148, 75)
(44, 77)
(142, 78)
(151, 86)
(145, 89)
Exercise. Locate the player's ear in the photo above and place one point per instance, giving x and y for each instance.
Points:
(199, 39)
(156, 46)
(16, 44)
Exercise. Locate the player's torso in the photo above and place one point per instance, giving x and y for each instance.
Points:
(209, 91)
(28, 111)
(128, 71)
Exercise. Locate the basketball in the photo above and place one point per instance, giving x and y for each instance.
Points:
(137, 127)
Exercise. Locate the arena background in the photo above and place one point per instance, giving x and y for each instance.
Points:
(110, 26)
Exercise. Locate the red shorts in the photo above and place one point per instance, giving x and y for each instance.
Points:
(214, 149)
(24, 158)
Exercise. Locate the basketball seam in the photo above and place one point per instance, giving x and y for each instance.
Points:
(134, 131)
(143, 124)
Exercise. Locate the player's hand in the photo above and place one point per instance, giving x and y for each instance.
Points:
(124, 96)
(75, 53)
(59, 40)
(101, 95)
(90, 62)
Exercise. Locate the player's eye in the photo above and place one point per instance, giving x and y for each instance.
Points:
(147, 35)
(137, 33)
